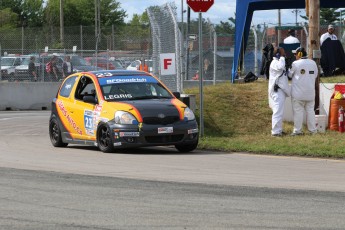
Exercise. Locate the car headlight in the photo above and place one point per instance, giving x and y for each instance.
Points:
(125, 118)
(188, 114)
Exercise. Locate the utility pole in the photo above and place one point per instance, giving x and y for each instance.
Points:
(313, 13)
(279, 24)
(61, 24)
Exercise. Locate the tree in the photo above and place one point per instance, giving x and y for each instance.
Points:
(14, 5)
(225, 28)
(139, 27)
(8, 19)
(82, 12)
(32, 13)
(327, 16)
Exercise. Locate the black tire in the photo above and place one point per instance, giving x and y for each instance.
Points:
(185, 148)
(55, 133)
(104, 139)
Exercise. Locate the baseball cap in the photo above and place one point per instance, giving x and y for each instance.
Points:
(300, 49)
(330, 27)
(296, 50)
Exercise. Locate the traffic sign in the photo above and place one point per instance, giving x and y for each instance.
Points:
(200, 6)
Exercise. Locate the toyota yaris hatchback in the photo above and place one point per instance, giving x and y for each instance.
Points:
(120, 109)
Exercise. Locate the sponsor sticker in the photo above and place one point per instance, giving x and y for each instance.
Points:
(166, 130)
(129, 134)
(126, 79)
(117, 96)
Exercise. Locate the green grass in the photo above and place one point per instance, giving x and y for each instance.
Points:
(237, 118)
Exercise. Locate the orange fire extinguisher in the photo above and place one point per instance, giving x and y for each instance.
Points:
(341, 119)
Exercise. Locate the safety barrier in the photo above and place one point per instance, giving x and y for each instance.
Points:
(27, 95)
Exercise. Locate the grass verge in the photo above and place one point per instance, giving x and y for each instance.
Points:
(237, 118)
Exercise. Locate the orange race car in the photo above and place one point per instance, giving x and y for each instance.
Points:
(120, 109)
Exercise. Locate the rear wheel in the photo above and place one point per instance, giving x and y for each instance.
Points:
(184, 148)
(55, 134)
(104, 139)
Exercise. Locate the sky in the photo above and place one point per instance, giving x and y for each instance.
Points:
(220, 11)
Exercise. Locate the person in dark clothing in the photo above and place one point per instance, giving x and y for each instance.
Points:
(67, 67)
(32, 69)
(332, 57)
(267, 57)
(54, 74)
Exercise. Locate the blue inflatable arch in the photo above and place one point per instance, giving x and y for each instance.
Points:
(244, 15)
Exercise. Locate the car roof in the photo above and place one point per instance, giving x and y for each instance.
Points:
(7, 57)
(100, 73)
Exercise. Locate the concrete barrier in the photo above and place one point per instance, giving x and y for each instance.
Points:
(27, 95)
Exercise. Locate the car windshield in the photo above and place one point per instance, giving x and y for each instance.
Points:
(78, 61)
(7, 61)
(26, 61)
(119, 90)
(117, 64)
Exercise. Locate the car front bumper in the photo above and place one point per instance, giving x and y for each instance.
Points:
(182, 132)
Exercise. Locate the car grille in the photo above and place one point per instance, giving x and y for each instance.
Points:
(160, 121)
(164, 139)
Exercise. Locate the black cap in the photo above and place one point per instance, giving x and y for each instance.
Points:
(291, 31)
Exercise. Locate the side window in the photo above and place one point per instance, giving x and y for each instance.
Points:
(17, 62)
(67, 87)
(85, 87)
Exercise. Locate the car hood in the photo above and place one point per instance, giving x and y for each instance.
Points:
(22, 67)
(158, 111)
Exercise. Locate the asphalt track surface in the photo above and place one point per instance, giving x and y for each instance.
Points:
(42, 187)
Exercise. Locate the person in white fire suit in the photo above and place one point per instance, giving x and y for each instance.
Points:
(278, 90)
(304, 72)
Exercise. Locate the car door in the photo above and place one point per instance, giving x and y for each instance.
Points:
(65, 105)
(85, 114)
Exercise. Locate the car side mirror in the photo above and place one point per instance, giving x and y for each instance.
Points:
(177, 94)
(90, 99)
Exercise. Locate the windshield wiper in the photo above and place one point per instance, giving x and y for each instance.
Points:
(150, 97)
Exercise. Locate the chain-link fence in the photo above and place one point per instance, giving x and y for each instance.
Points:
(115, 48)
(166, 38)
(122, 47)
(261, 35)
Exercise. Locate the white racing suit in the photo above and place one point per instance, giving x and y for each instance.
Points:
(303, 72)
(277, 97)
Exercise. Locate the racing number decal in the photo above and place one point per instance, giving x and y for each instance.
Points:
(88, 122)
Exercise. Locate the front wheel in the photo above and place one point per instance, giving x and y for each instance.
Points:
(104, 139)
(184, 148)
(55, 134)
